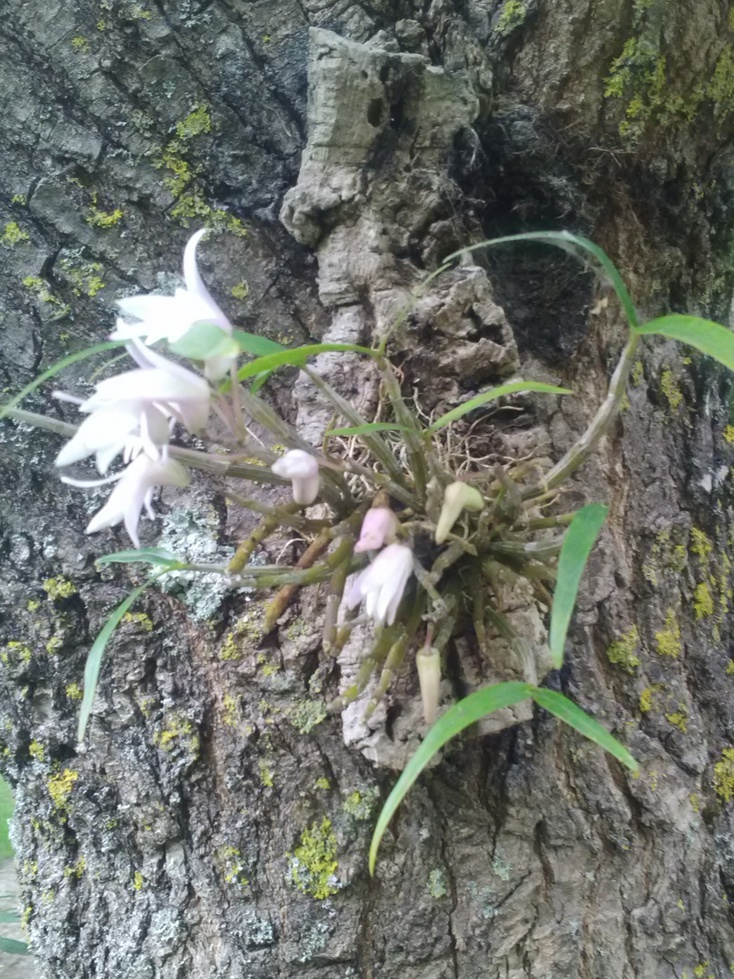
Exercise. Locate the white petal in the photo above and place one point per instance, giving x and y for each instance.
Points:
(195, 284)
(305, 489)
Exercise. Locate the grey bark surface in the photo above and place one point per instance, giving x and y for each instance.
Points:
(175, 842)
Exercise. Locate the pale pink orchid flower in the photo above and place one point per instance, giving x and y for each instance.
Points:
(158, 383)
(134, 491)
(381, 585)
(378, 527)
(303, 471)
(171, 317)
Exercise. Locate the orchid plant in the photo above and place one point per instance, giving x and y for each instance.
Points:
(390, 523)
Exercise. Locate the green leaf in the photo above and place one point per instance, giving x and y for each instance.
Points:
(365, 429)
(515, 387)
(12, 947)
(9, 917)
(468, 711)
(576, 245)
(297, 357)
(203, 341)
(94, 659)
(711, 339)
(57, 368)
(577, 544)
(251, 343)
(576, 718)
(146, 555)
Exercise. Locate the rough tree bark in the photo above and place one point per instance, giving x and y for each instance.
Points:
(194, 835)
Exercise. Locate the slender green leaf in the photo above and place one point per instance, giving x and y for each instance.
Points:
(377, 446)
(146, 555)
(456, 719)
(57, 368)
(576, 718)
(515, 387)
(577, 544)
(711, 339)
(12, 947)
(94, 659)
(203, 341)
(251, 343)
(576, 245)
(9, 917)
(365, 429)
(297, 357)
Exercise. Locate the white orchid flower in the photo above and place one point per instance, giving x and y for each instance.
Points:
(303, 471)
(134, 491)
(130, 428)
(382, 584)
(378, 527)
(158, 383)
(171, 317)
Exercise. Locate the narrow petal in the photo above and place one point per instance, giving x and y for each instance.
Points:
(195, 284)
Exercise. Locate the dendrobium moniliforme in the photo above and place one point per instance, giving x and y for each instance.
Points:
(171, 317)
(303, 471)
(457, 496)
(382, 584)
(134, 491)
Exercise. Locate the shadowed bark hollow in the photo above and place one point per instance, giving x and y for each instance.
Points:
(215, 823)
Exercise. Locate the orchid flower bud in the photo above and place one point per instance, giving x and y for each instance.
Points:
(303, 471)
(457, 497)
(381, 585)
(378, 527)
(428, 663)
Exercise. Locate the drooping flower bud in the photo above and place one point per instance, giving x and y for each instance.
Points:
(382, 584)
(457, 497)
(378, 528)
(303, 471)
(428, 663)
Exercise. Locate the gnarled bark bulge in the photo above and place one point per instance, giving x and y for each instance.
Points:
(215, 823)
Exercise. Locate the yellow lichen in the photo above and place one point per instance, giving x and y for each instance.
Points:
(60, 786)
(103, 219)
(13, 234)
(140, 619)
(668, 640)
(242, 290)
(646, 699)
(703, 603)
(77, 869)
(59, 587)
(678, 718)
(724, 775)
(230, 714)
(671, 390)
(53, 645)
(623, 651)
(729, 434)
(36, 750)
(313, 864)
(138, 881)
(73, 691)
(700, 544)
(266, 775)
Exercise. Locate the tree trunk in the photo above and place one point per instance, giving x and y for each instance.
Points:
(215, 822)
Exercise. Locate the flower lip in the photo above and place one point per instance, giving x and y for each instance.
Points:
(457, 496)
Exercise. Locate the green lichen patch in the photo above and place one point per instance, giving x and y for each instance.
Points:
(306, 714)
(437, 884)
(241, 290)
(700, 544)
(233, 871)
(138, 881)
(623, 651)
(361, 805)
(83, 276)
(98, 218)
(13, 235)
(313, 864)
(724, 775)
(73, 691)
(678, 718)
(37, 751)
(671, 389)
(511, 17)
(668, 639)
